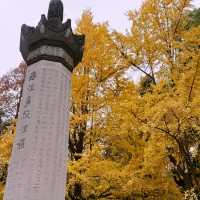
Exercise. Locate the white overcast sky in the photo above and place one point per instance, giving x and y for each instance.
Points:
(14, 13)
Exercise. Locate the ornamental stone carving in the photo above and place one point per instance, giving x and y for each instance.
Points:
(67, 48)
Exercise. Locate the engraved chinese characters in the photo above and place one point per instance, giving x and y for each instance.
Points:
(19, 155)
(51, 50)
(38, 165)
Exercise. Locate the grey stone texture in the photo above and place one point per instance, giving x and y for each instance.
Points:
(37, 169)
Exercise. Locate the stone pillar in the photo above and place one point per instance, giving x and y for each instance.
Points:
(37, 169)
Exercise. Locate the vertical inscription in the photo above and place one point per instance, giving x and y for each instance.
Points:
(38, 163)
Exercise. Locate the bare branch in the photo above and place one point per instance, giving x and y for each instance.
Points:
(125, 56)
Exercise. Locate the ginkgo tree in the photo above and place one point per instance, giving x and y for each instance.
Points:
(167, 53)
(156, 131)
(91, 79)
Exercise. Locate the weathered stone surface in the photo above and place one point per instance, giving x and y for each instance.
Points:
(37, 170)
(52, 54)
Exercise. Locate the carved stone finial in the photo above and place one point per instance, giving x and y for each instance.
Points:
(55, 10)
(52, 39)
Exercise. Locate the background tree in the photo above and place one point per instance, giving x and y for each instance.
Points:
(10, 92)
(158, 35)
(91, 79)
(162, 49)
(6, 141)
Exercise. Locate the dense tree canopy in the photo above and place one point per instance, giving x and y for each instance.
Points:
(129, 140)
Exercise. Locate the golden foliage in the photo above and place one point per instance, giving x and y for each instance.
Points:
(6, 141)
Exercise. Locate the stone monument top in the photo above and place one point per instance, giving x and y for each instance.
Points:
(66, 47)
